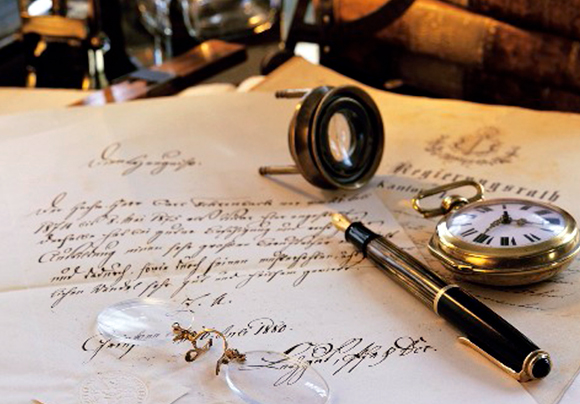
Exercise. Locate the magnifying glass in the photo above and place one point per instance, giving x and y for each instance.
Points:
(336, 137)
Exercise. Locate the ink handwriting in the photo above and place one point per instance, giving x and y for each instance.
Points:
(142, 247)
(171, 159)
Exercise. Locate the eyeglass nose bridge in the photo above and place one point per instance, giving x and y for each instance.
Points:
(228, 354)
(309, 140)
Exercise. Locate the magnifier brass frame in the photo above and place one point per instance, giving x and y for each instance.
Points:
(304, 129)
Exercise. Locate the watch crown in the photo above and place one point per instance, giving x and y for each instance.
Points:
(452, 202)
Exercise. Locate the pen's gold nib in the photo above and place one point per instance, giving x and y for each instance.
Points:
(340, 221)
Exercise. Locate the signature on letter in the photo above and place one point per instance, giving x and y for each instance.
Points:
(172, 159)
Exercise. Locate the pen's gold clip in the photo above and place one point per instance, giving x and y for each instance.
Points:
(525, 374)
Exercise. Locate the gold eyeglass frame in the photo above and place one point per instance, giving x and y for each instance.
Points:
(228, 355)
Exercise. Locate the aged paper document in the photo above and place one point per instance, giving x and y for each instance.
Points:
(13, 100)
(513, 152)
(162, 199)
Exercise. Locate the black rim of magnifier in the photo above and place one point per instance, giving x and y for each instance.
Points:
(308, 137)
(360, 154)
(366, 128)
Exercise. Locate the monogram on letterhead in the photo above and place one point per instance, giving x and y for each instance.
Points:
(485, 147)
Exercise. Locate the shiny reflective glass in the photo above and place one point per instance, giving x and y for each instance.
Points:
(155, 16)
(340, 138)
(257, 377)
(228, 18)
(273, 377)
(336, 137)
(141, 321)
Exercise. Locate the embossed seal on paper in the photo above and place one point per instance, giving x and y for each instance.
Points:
(484, 147)
(113, 388)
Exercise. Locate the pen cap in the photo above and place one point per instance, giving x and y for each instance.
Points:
(359, 235)
(493, 335)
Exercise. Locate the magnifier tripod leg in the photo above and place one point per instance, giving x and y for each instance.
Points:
(292, 93)
(275, 170)
(272, 170)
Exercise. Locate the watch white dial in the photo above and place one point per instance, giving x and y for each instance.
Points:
(511, 223)
(500, 241)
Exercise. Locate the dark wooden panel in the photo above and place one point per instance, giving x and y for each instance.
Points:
(182, 71)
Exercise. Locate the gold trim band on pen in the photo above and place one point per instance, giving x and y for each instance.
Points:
(439, 294)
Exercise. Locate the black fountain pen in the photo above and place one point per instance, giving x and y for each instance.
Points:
(485, 331)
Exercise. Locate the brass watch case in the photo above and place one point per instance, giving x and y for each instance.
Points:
(505, 266)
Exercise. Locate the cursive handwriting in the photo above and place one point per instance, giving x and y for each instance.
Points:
(349, 355)
(344, 357)
(170, 159)
(142, 247)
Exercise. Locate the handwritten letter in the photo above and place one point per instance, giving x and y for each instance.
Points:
(163, 200)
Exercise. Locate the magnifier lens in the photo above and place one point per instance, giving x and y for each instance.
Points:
(340, 139)
(347, 141)
(336, 138)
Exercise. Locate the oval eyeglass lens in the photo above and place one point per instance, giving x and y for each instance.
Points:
(143, 321)
(272, 378)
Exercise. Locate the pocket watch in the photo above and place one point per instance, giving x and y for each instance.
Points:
(503, 242)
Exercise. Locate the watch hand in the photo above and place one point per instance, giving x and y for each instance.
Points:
(506, 218)
(493, 224)
(523, 221)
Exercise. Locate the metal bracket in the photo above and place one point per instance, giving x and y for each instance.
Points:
(149, 76)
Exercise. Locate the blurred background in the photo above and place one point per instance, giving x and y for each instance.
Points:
(90, 43)
(509, 52)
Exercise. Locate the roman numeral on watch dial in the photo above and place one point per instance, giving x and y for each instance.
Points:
(484, 209)
(507, 241)
(532, 237)
(483, 238)
(469, 232)
(553, 220)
